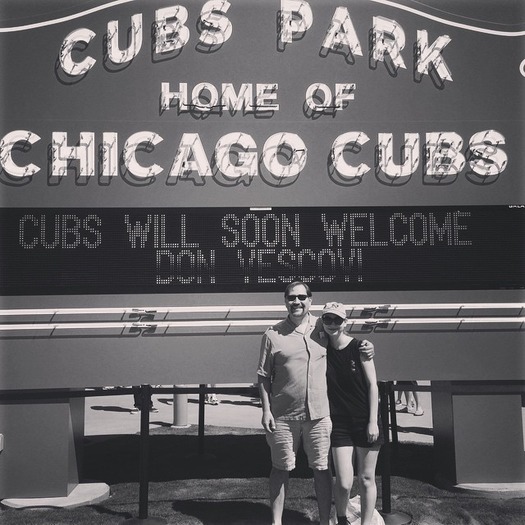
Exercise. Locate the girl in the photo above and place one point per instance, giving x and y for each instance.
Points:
(354, 407)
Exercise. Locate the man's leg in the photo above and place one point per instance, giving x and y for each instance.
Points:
(284, 442)
(323, 491)
(316, 444)
(278, 488)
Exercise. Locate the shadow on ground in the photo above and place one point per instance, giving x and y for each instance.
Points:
(115, 459)
(176, 454)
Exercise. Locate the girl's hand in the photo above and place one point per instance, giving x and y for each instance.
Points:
(373, 432)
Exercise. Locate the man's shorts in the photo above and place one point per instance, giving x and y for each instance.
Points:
(285, 439)
(348, 432)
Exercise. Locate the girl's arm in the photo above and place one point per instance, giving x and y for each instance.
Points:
(369, 370)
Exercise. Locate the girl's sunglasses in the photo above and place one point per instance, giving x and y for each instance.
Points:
(327, 320)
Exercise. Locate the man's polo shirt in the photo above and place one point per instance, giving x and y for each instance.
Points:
(296, 364)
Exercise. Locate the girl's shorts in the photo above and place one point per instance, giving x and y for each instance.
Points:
(349, 432)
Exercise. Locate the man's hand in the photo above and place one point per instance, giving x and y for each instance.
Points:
(268, 422)
(366, 348)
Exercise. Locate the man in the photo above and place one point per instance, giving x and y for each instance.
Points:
(292, 387)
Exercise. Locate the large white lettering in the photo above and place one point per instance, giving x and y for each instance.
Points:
(238, 159)
(171, 32)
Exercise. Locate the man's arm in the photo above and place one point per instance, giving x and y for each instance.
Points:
(268, 422)
(366, 349)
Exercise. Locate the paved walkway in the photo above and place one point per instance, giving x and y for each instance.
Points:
(108, 415)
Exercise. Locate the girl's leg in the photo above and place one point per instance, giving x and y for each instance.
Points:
(418, 410)
(344, 477)
(366, 475)
(411, 405)
(408, 397)
(399, 394)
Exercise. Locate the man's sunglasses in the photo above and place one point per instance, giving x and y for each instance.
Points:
(327, 320)
(292, 298)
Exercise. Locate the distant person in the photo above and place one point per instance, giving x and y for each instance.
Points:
(354, 408)
(137, 404)
(412, 403)
(292, 387)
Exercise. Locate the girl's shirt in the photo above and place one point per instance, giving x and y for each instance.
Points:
(346, 382)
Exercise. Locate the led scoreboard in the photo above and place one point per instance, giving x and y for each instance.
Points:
(198, 250)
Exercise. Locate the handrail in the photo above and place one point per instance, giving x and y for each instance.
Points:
(230, 309)
(164, 326)
(141, 310)
(138, 325)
